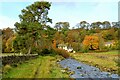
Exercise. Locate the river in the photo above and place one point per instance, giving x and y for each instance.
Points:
(82, 70)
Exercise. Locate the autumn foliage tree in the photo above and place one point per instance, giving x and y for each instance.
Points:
(91, 42)
(7, 40)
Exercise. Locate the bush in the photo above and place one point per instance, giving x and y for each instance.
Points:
(118, 46)
(108, 48)
(47, 52)
(6, 68)
(14, 64)
(35, 50)
(85, 49)
(62, 52)
(54, 51)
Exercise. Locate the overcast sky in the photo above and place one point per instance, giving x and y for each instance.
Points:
(72, 11)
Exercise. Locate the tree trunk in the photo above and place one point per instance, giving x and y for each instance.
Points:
(29, 50)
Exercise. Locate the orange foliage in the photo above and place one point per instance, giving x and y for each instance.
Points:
(91, 41)
(54, 44)
(9, 44)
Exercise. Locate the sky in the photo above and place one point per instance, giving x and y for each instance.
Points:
(72, 11)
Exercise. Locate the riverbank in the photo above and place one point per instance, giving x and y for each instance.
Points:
(105, 61)
(81, 70)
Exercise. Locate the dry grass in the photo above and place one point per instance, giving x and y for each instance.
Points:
(105, 61)
(62, 52)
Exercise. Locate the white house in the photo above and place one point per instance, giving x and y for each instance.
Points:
(65, 47)
(70, 49)
(108, 44)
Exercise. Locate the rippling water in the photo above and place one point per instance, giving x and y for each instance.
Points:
(82, 70)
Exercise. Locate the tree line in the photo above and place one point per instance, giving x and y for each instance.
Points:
(33, 35)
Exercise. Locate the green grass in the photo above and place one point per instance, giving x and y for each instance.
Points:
(106, 61)
(24, 70)
(46, 66)
(42, 67)
(113, 52)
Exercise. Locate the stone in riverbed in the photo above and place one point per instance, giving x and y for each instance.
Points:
(58, 60)
(66, 68)
(79, 67)
(71, 72)
(63, 71)
(114, 76)
(82, 75)
(82, 70)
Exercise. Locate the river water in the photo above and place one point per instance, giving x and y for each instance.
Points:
(82, 70)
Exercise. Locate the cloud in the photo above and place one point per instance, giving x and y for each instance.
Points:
(7, 22)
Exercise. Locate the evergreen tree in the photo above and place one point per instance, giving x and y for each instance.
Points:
(32, 27)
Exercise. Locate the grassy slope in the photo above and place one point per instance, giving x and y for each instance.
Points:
(42, 67)
(105, 61)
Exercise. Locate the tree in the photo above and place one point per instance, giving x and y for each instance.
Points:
(9, 44)
(59, 37)
(106, 25)
(96, 25)
(116, 24)
(77, 25)
(82, 33)
(101, 42)
(108, 34)
(62, 26)
(7, 39)
(92, 42)
(32, 27)
(72, 36)
(84, 24)
(99, 24)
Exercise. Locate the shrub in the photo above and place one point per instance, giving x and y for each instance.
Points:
(85, 49)
(62, 52)
(118, 46)
(6, 68)
(54, 51)
(35, 50)
(14, 64)
(47, 52)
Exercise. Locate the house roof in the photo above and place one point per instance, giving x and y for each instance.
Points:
(61, 45)
(108, 42)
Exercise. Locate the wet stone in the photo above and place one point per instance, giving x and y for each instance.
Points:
(79, 67)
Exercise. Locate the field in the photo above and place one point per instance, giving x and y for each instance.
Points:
(47, 67)
(42, 67)
(106, 61)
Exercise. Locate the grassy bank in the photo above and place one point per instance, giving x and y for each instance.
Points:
(106, 61)
(42, 67)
